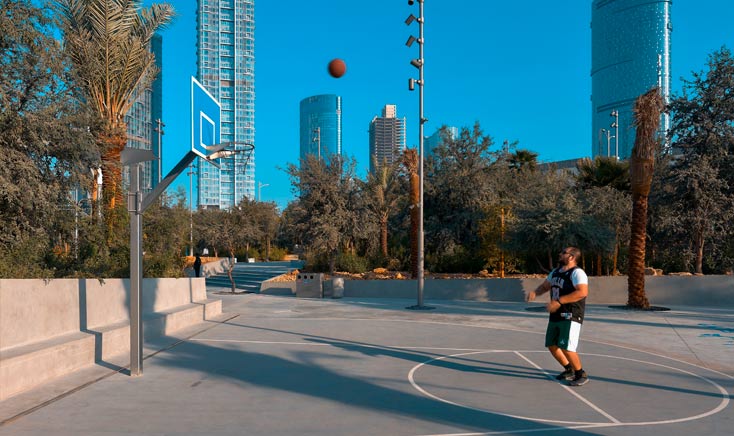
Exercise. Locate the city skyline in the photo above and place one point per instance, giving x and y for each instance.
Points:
(387, 137)
(226, 68)
(523, 73)
(625, 65)
(320, 126)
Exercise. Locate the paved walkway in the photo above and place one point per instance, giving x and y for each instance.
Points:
(288, 366)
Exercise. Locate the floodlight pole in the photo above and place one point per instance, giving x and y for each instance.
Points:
(419, 63)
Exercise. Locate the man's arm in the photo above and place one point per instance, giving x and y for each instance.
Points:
(540, 290)
(582, 290)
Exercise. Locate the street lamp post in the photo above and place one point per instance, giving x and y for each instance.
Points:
(159, 129)
(419, 64)
(261, 185)
(317, 140)
(615, 126)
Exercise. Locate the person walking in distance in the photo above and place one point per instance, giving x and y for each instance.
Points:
(569, 287)
(197, 265)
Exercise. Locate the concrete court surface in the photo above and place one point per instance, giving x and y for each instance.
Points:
(287, 366)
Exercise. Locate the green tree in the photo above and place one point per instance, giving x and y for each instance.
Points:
(702, 175)
(46, 148)
(382, 197)
(454, 194)
(324, 190)
(108, 43)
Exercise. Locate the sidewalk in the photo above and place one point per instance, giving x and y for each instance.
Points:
(288, 366)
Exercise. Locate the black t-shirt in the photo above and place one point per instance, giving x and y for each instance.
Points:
(561, 284)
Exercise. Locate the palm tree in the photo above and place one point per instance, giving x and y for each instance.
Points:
(108, 42)
(603, 171)
(523, 159)
(647, 111)
(410, 161)
(382, 183)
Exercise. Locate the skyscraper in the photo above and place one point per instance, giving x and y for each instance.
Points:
(140, 121)
(387, 137)
(433, 141)
(630, 53)
(321, 126)
(226, 68)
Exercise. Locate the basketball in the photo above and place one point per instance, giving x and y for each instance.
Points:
(337, 68)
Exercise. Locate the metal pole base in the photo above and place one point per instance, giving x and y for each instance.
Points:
(420, 307)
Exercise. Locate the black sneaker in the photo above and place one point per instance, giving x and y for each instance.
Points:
(579, 379)
(565, 375)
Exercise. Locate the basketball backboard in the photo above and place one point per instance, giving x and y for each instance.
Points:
(206, 115)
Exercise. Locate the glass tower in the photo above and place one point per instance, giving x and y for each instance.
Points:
(321, 125)
(387, 137)
(140, 121)
(226, 68)
(439, 137)
(630, 53)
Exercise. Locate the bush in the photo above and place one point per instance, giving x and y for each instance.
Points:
(277, 253)
(351, 263)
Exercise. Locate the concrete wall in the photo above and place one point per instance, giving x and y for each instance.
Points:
(705, 291)
(49, 328)
(35, 310)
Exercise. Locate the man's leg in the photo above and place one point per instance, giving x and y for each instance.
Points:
(560, 355)
(572, 357)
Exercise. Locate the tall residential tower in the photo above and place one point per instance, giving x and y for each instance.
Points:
(630, 53)
(226, 68)
(141, 121)
(387, 137)
(321, 126)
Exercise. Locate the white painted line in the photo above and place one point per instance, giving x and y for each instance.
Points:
(594, 341)
(571, 391)
(615, 423)
(411, 379)
(529, 430)
(262, 342)
(341, 344)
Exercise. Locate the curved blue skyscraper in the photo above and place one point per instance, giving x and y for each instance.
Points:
(630, 53)
(321, 126)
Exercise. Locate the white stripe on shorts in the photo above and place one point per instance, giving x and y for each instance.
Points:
(573, 336)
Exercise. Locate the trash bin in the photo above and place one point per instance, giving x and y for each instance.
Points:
(310, 285)
(337, 287)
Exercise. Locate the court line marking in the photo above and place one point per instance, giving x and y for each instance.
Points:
(571, 391)
(722, 405)
(595, 341)
(416, 386)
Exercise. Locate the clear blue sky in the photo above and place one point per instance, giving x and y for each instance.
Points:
(519, 68)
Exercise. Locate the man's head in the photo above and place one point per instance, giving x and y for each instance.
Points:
(569, 256)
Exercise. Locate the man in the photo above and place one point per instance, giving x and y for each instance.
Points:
(569, 287)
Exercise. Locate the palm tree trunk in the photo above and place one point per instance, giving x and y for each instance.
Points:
(636, 270)
(647, 110)
(598, 264)
(383, 235)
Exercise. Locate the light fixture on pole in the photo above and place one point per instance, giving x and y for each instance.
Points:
(159, 129)
(615, 126)
(261, 185)
(317, 140)
(419, 63)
